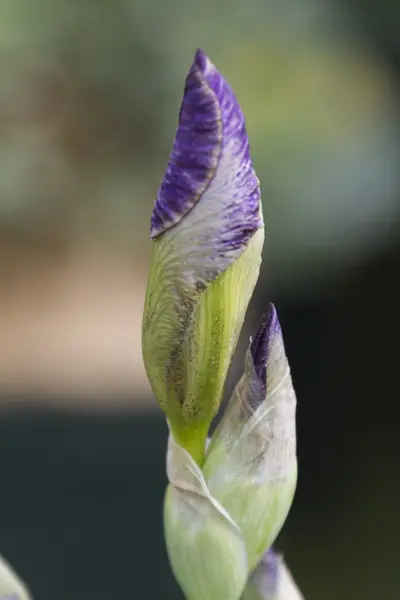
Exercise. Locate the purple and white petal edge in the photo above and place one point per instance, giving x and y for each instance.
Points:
(211, 130)
(261, 344)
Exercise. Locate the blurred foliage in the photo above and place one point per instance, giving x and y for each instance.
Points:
(88, 106)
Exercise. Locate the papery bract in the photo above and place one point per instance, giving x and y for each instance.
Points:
(206, 549)
(251, 464)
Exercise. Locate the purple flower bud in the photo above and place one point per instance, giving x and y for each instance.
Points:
(260, 344)
(208, 233)
(211, 149)
(268, 356)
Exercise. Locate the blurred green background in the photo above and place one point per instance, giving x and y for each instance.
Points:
(89, 98)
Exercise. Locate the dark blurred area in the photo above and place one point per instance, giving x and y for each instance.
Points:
(89, 97)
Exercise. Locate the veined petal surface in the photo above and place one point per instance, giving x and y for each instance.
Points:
(210, 153)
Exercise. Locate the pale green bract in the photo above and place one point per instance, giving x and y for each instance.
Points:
(205, 546)
(220, 519)
(251, 464)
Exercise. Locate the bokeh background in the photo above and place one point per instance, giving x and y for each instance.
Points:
(89, 96)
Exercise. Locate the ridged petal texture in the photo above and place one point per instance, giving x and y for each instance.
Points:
(251, 464)
(208, 234)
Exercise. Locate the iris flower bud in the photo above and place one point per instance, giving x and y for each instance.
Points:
(11, 587)
(271, 580)
(207, 230)
(221, 510)
(251, 464)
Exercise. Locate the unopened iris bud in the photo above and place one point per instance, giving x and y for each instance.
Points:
(207, 229)
(251, 464)
(206, 549)
(11, 587)
(271, 580)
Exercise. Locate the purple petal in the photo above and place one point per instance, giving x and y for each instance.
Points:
(272, 580)
(261, 344)
(265, 577)
(211, 135)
